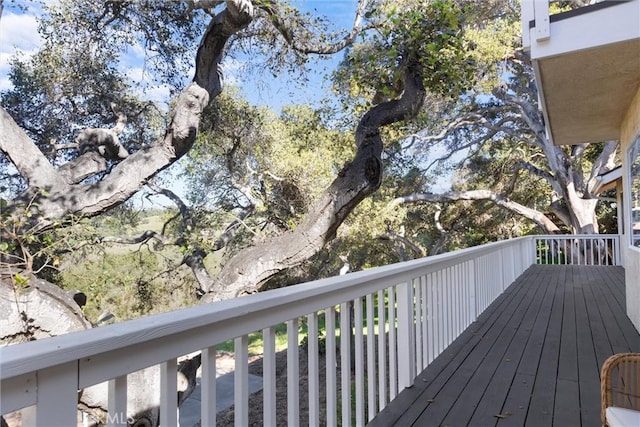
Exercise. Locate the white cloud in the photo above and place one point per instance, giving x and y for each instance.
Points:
(18, 34)
(136, 74)
(231, 71)
(159, 94)
(19, 31)
(144, 87)
(5, 83)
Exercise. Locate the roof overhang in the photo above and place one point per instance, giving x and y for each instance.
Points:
(587, 66)
(608, 180)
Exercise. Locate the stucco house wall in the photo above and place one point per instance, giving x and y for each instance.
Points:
(629, 132)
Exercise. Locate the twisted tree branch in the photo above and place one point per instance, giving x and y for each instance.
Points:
(274, 12)
(534, 215)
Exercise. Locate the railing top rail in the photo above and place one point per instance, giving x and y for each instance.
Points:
(273, 306)
(575, 236)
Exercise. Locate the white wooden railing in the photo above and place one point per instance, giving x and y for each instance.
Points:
(404, 314)
(583, 249)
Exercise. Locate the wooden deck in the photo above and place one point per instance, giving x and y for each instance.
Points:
(532, 358)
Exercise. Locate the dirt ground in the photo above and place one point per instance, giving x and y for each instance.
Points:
(226, 418)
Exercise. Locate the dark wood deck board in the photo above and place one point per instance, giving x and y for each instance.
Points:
(609, 304)
(532, 358)
(430, 381)
(588, 368)
(516, 402)
(542, 398)
(490, 407)
(460, 393)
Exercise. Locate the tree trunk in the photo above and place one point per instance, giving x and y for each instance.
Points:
(536, 216)
(252, 267)
(54, 194)
(34, 309)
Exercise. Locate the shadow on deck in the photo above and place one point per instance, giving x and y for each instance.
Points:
(532, 358)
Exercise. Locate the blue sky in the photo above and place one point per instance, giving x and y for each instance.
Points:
(284, 91)
(18, 33)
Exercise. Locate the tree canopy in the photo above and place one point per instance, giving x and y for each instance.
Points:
(271, 194)
(83, 143)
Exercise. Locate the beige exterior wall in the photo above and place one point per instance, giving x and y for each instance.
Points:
(630, 130)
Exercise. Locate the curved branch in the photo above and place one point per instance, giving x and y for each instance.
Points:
(143, 238)
(185, 212)
(251, 268)
(32, 164)
(534, 215)
(466, 123)
(553, 182)
(128, 176)
(321, 48)
(476, 118)
(604, 163)
(477, 142)
(402, 240)
(529, 112)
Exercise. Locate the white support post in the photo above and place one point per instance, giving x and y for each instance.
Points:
(345, 362)
(382, 351)
(371, 359)
(331, 381)
(473, 284)
(293, 374)
(19, 393)
(448, 295)
(431, 319)
(502, 270)
(359, 360)
(169, 393)
(440, 309)
(269, 376)
(393, 347)
(455, 303)
(241, 381)
(313, 370)
(418, 321)
(57, 396)
(208, 387)
(425, 322)
(527, 14)
(406, 340)
(117, 402)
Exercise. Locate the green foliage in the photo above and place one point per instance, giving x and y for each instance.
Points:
(128, 283)
(248, 158)
(306, 153)
(607, 213)
(25, 249)
(77, 75)
(494, 44)
(167, 31)
(257, 173)
(430, 31)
